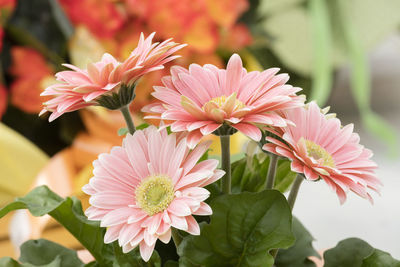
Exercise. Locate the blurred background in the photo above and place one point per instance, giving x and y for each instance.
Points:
(343, 53)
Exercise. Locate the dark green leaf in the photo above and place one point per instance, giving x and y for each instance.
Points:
(9, 262)
(349, 252)
(41, 252)
(243, 228)
(67, 212)
(37, 29)
(381, 259)
(171, 264)
(297, 255)
(133, 258)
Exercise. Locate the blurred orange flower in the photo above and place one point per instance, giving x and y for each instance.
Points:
(29, 78)
(102, 17)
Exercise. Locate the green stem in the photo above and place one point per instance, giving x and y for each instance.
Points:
(176, 237)
(271, 171)
(226, 163)
(291, 199)
(295, 190)
(128, 119)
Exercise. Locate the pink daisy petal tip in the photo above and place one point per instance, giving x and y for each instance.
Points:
(151, 183)
(78, 88)
(320, 148)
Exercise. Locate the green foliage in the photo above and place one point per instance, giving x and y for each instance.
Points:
(122, 131)
(312, 37)
(250, 173)
(40, 252)
(68, 212)
(322, 71)
(243, 228)
(297, 255)
(357, 253)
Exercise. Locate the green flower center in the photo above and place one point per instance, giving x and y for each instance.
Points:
(155, 193)
(320, 154)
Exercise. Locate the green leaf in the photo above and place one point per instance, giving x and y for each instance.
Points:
(243, 228)
(41, 252)
(348, 252)
(122, 131)
(142, 126)
(284, 176)
(297, 255)
(380, 258)
(250, 173)
(171, 263)
(9, 262)
(133, 258)
(322, 51)
(358, 253)
(68, 212)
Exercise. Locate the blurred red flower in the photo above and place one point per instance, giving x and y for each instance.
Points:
(102, 17)
(3, 100)
(29, 76)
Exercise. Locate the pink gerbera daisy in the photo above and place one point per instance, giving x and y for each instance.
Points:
(202, 99)
(320, 147)
(150, 184)
(79, 88)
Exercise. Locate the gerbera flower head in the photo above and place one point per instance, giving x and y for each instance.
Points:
(107, 82)
(150, 184)
(320, 148)
(204, 100)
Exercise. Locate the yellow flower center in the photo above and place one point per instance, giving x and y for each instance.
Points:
(155, 193)
(221, 102)
(319, 154)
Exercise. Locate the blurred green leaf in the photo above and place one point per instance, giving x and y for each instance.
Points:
(356, 252)
(381, 259)
(290, 35)
(34, 25)
(41, 252)
(360, 80)
(68, 212)
(322, 63)
(243, 228)
(297, 255)
(61, 19)
(122, 131)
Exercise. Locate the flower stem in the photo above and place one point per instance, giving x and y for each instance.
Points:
(271, 171)
(226, 163)
(128, 119)
(176, 237)
(295, 190)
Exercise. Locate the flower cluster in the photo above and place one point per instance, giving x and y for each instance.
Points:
(155, 182)
(150, 184)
